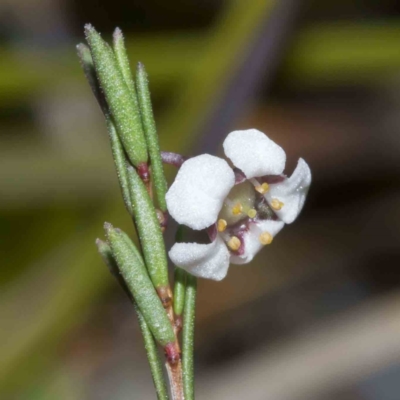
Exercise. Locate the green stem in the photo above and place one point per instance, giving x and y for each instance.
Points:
(188, 337)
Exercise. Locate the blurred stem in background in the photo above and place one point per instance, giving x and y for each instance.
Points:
(311, 60)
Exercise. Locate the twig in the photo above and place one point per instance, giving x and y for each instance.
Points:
(174, 370)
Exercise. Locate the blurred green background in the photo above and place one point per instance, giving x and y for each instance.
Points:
(317, 315)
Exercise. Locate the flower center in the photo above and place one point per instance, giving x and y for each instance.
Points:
(244, 204)
(238, 204)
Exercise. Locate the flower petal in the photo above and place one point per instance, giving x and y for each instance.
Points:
(291, 192)
(209, 261)
(252, 244)
(198, 192)
(254, 153)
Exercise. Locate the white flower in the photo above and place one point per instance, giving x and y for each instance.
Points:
(241, 215)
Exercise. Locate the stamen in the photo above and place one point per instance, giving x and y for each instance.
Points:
(234, 243)
(237, 209)
(221, 225)
(276, 204)
(252, 213)
(262, 188)
(265, 238)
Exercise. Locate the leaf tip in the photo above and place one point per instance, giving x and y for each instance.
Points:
(117, 35)
(90, 32)
(88, 27)
(108, 227)
(83, 53)
(99, 243)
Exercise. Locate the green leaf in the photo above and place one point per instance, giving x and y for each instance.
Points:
(188, 337)
(119, 99)
(179, 290)
(149, 231)
(179, 280)
(86, 60)
(123, 61)
(121, 164)
(153, 357)
(150, 132)
(134, 273)
(118, 153)
(149, 344)
(105, 251)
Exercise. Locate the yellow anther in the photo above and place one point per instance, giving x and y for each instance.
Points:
(262, 188)
(221, 225)
(252, 213)
(234, 243)
(276, 204)
(265, 238)
(237, 209)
